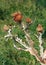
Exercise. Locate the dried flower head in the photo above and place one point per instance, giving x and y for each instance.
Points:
(28, 20)
(39, 28)
(17, 16)
(5, 28)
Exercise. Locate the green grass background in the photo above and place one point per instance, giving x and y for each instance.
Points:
(34, 9)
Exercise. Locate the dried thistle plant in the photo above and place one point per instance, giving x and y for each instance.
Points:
(30, 48)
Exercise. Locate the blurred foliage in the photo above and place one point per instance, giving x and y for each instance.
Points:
(44, 34)
(36, 10)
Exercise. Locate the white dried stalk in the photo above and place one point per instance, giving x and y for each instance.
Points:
(9, 34)
(28, 48)
(27, 36)
(36, 36)
(22, 43)
(40, 45)
(31, 50)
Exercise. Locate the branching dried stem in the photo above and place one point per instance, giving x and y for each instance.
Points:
(29, 48)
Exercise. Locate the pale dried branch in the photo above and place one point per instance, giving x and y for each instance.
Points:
(40, 45)
(9, 34)
(29, 48)
(36, 36)
(27, 36)
(21, 42)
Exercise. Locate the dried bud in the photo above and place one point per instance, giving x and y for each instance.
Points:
(17, 16)
(39, 28)
(28, 20)
(5, 28)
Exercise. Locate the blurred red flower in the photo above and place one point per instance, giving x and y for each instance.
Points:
(28, 20)
(17, 16)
